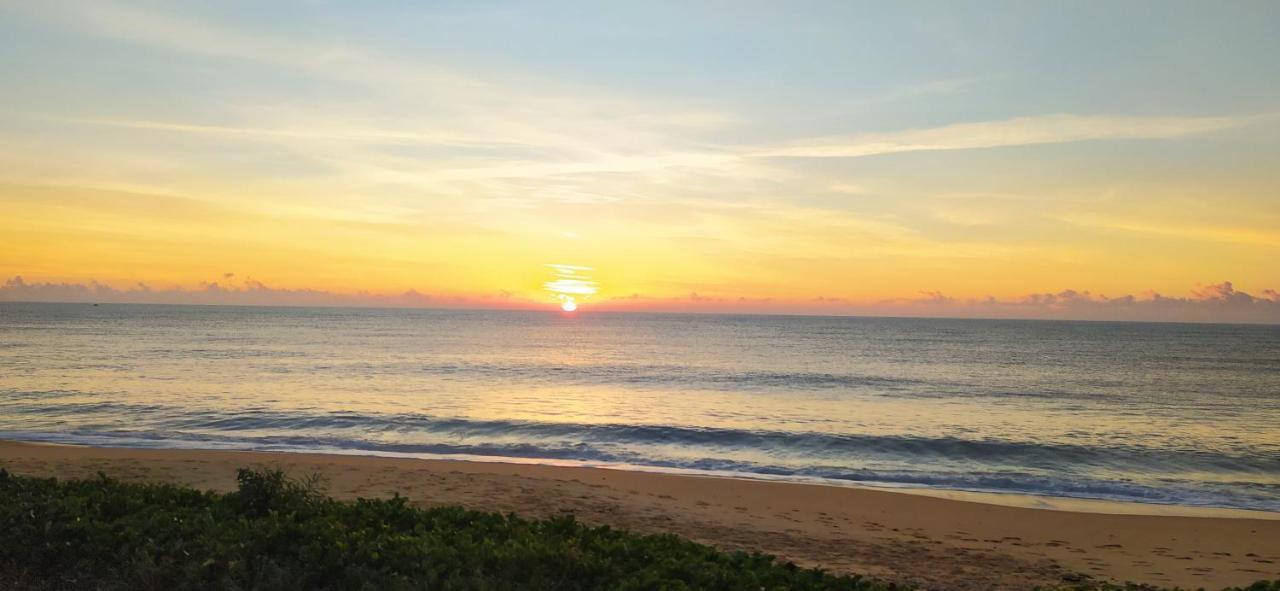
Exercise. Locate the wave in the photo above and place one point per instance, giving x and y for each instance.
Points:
(631, 375)
(1078, 409)
(1244, 479)
(810, 444)
(806, 443)
(1237, 495)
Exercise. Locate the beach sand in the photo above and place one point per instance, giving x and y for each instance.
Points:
(918, 539)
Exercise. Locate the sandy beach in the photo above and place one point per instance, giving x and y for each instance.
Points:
(911, 538)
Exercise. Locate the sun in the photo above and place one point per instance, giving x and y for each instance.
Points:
(569, 306)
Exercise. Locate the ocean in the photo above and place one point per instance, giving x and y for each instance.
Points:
(1185, 414)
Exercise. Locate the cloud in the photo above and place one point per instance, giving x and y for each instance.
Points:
(515, 126)
(571, 283)
(341, 134)
(128, 23)
(505, 124)
(1220, 302)
(1212, 233)
(517, 140)
(1020, 131)
(343, 154)
(248, 293)
(1217, 302)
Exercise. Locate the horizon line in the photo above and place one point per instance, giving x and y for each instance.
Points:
(551, 309)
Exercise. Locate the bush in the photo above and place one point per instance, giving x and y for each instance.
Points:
(1097, 586)
(277, 533)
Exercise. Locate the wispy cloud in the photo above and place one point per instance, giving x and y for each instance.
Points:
(354, 153)
(127, 22)
(1214, 233)
(1020, 131)
(544, 128)
(563, 124)
(308, 133)
(572, 283)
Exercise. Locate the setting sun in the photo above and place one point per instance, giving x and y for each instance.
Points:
(569, 306)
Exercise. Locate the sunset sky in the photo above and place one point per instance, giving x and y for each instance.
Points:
(722, 156)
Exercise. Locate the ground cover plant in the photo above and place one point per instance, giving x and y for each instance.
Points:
(278, 533)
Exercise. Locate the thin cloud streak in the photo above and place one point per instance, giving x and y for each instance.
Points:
(1233, 235)
(1020, 131)
(571, 283)
(127, 23)
(351, 134)
(571, 136)
(726, 159)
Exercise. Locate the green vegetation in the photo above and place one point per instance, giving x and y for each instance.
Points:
(1258, 586)
(277, 533)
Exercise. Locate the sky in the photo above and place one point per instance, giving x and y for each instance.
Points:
(1094, 160)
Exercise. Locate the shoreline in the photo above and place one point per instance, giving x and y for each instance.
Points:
(895, 535)
(1071, 504)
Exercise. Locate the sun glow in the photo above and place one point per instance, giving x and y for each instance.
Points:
(571, 282)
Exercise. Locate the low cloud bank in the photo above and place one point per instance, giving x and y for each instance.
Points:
(1220, 302)
(248, 293)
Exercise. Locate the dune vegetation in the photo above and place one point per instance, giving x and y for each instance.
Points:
(274, 532)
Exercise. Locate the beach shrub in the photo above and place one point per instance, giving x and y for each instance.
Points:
(1100, 586)
(277, 533)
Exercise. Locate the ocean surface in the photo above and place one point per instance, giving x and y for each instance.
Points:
(1157, 413)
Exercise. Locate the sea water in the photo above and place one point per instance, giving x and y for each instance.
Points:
(1162, 413)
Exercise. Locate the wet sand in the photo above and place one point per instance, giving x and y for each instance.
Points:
(924, 540)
